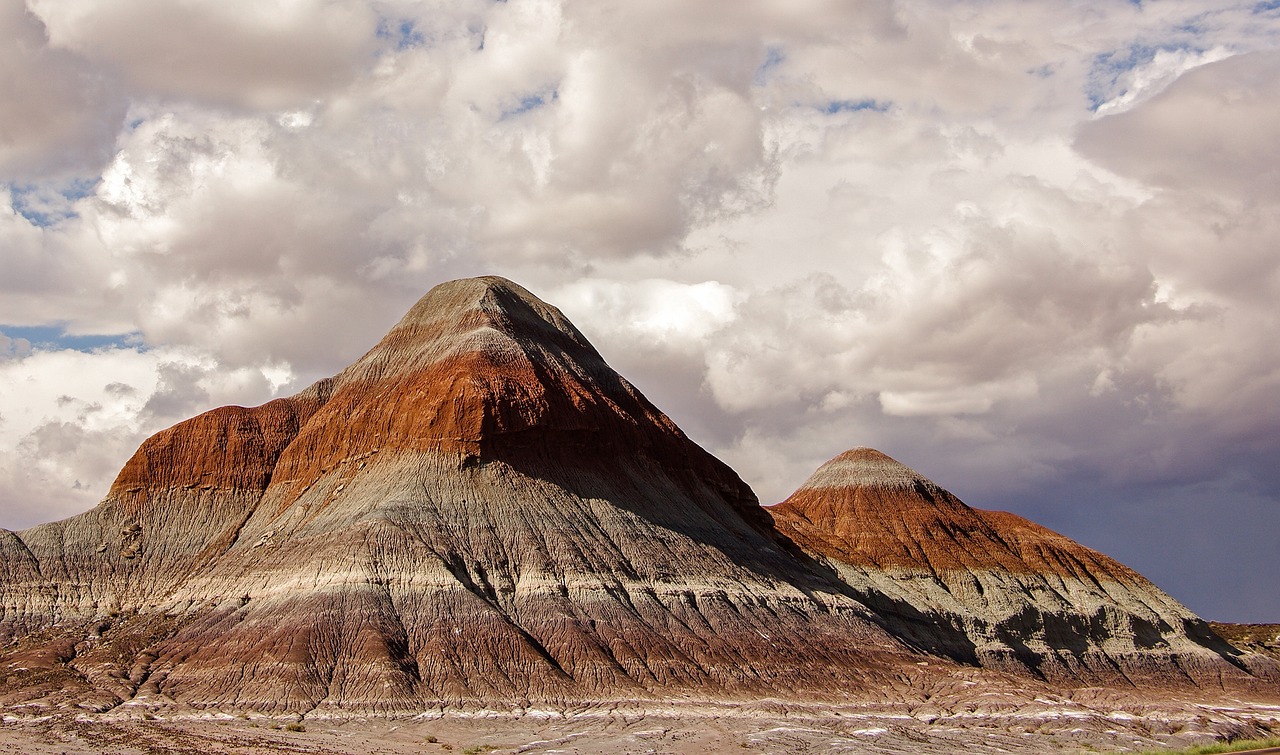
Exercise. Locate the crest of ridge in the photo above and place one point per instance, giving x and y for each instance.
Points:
(864, 467)
(489, 314)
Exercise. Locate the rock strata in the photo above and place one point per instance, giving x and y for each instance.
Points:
(992, 588)
(477, 512)
(481, 514)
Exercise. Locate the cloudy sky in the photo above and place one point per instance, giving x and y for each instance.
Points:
(1030, 248)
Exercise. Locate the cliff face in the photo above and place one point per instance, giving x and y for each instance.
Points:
(992, 588)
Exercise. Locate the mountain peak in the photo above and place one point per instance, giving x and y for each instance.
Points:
(487, 315)
(478, 511)
(984, 587)
(472, 368)
(863, 466)
(481, 512)
(488, 300)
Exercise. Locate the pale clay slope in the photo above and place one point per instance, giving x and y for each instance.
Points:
(863, 466)
(484, 599)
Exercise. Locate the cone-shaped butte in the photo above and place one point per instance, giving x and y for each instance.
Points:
(479, 512)
(991, 587)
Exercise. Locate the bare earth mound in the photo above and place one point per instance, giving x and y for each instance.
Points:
(992, 588)
(1254, 638)
(478, 512)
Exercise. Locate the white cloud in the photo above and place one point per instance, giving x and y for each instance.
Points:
(265, 55)
(1145, 80)
(70, 419)
(1018, 244)
(957, 401)
(655, 313)
(60, 115)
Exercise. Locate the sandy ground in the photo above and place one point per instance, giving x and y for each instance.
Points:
(1039, 729)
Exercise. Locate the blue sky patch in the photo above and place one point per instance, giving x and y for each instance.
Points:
(1266, 6)
(772, 59)
(1108, 68)
(852, 106)
(404, 33)
(46, 206)
(56, 338)
(530, 102)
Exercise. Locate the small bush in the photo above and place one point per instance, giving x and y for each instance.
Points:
(295, 727)
(431, 739)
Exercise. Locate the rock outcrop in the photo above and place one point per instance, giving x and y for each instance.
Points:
(1263, 639)
(992, 588)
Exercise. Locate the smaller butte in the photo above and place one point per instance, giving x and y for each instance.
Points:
(990, 587)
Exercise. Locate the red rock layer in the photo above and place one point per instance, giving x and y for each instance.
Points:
(866, 509)
(993, 588)
(478, 511)
(230, 447)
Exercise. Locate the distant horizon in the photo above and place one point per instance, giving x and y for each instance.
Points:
(1026, 248)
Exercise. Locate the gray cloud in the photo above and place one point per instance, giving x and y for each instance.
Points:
(13, 347)
(1212, 132)
(60, 115)
(266, 56)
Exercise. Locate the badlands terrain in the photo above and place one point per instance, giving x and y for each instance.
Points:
(479, 536)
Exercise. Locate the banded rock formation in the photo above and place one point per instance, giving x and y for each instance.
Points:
(477, 512)
(992, 588)
(481, 513)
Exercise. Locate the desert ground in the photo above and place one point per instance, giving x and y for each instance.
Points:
(1044, 725)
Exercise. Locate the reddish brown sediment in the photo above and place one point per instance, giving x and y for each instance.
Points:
(993, 588)
(477, 512)
(868, 510)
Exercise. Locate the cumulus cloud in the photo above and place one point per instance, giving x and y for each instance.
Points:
(1025, 247)
(71, 418)
(60, 115)
(268, 55)
(1207, 147)
(1212, 131)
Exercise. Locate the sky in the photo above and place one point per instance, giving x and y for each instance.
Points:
(1030, 248)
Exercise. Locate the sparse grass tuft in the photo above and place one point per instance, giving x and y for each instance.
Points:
(1217, 747)
(295, 726)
